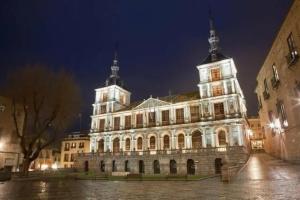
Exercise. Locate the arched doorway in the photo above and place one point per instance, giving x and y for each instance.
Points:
(141, 167)
(116, 145)
(196, 140)
(127, 144)
(127, 166)
(190, 165)
(156, 167)
(173, 167)
(222, 138)
(181, 141)
(218, 165)
(152, 142)
(114, 166)
(101, 146)
(140, 143)
(166, 142)
(102, 166)
(86, 166)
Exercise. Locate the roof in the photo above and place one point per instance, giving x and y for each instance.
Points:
(189, 96)
(210, 59)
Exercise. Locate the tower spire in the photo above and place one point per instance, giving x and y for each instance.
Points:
(213, 38)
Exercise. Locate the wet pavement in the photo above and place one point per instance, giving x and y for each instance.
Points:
(262, 178)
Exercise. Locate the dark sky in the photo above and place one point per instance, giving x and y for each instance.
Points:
(160, 41)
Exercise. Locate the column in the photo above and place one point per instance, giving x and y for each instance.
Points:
(232, 86)
(208, 90)
(225, 87)
(187, 114)
(204, 140)
(173, 144)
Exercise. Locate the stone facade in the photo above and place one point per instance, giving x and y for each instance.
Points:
(184, 131)
(10, 150)
(278, 90)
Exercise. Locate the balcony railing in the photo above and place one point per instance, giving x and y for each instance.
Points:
(292, 57)
(275, 82)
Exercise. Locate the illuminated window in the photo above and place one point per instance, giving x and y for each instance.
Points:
(179, 115)
(195, 115)
(104, 97)
(102, 124)
(215, 74)
(219, 110)
(139, 120)
(103, 109)
(166, 142)
(222, 138)
(181, 141)
(151, 118)
(165, 117)
(140, 143)
(152, 142)
(217, 90)
(127, 144)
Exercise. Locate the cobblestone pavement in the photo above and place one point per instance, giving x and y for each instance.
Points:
(263, 178)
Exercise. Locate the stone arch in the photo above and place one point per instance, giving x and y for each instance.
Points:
(197, 139)
(190, 167)
(180, 140)
(156, 167)
(101, 145)
(116, 145)
(173, 167)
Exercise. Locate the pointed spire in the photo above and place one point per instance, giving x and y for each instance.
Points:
(213, 38)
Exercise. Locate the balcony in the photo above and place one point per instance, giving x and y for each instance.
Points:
(275, 82)
(266, 95)
(292, 57)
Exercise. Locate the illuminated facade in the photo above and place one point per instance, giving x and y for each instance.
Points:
(278, 90)
(189, 133)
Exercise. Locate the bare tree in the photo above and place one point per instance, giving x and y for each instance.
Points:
(49, 101)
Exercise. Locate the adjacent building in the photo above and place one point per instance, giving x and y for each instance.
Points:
(191, 133)
(10, 150)
(72, 145)
(257, 134)
(278, 90)
(49, 158)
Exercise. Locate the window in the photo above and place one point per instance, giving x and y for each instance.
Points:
(67, 146)
(117, 123)
(165, 117)
(152, 142)
(81, 144)
(116, 145)
(204, 91)
(231, 107)
(72, 157)
(195, 115)
(222, 138)
(181, 141)
(128, 122)
(122, 99)
(151, 118)
(73, 145)
(166, 142)
(266, 93)
(217, 90)
(66, 158)
(179, 115)
(215, 74)
(102, 124)
(282, 113)
(127, 144)
(219, 110)
(293, 53)
(206, 109)
(140, 143)
(229, 87)
(101, 146)
(139, 120)
(103, 109)
(104, 97)
(275, 78)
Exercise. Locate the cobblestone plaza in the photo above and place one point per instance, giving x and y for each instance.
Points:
(262, 178)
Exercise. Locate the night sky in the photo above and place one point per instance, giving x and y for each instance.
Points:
(160, 41)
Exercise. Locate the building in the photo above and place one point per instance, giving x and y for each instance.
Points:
(257, 134)
(278, 90)
(49, 158)
(191, 133)
(10, 150)
(72, 145)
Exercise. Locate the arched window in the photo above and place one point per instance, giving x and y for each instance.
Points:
(116, 145)
(127, 144)
(101, 146)
(140, 143)
(166, 142)
(196, 140)
(152, 142)
(181, 141)
(222, 138)
(156, 167)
